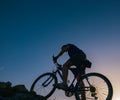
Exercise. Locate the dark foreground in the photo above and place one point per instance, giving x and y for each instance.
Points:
(18, 92)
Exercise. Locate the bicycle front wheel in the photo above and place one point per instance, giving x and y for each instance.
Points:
(44, 85)
(96, 87)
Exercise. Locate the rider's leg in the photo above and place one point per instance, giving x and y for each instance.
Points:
(81, 83)
(66, 66)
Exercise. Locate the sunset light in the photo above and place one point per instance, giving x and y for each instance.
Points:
(117, 98)
(116, 95)
(31, 31)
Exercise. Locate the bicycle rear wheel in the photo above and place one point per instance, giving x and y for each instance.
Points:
(96, 87)
(44, 85)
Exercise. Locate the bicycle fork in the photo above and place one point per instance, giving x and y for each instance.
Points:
(47, 82)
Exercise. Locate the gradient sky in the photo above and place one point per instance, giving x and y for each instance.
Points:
(31, 31)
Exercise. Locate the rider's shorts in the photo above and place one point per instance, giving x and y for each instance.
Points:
(77, 61)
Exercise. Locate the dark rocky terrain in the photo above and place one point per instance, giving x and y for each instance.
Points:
(18, 92)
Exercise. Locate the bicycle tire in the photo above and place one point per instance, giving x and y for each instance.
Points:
(99, 90)
(48, 82)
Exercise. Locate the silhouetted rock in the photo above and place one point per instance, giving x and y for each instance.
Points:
(18, 92)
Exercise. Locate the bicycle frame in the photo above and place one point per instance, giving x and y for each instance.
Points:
(60, 74)
(75, 77)
(58, 71)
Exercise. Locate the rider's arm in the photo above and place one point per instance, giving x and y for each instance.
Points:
(64, 49)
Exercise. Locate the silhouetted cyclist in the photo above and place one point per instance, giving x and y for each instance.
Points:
(77, 57)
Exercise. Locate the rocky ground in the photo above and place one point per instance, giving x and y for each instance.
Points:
(18, 92)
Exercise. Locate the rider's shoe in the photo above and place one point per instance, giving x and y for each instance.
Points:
(62, 86)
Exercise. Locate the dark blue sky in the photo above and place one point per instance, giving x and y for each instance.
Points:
(31, 31)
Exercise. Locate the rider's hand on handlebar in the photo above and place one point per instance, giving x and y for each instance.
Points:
(54, 59)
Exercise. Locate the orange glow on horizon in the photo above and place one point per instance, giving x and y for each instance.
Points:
(117, 97)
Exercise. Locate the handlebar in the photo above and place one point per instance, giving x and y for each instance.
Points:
(54, 59)
(56, 63)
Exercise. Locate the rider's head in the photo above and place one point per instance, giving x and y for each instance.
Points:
(65, 47)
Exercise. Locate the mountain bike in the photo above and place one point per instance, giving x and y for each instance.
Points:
(96, 86)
